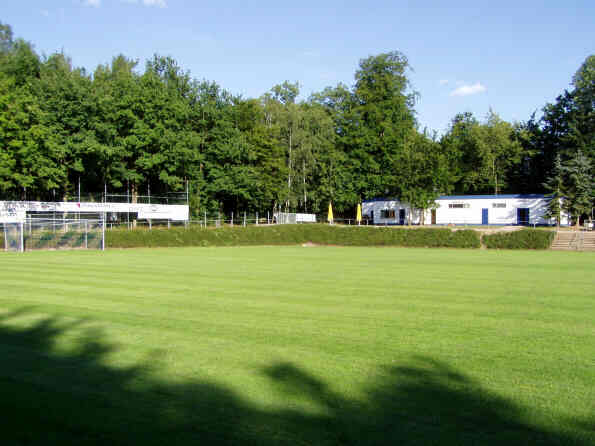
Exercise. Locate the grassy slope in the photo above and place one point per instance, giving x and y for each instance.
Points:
(298, 346)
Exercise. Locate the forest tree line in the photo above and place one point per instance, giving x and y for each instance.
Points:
(160, 129)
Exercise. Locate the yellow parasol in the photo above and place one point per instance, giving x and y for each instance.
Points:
(330, 213)
(358, 216)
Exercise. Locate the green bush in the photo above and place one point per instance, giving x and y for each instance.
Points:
(523, 239)
(293, 235)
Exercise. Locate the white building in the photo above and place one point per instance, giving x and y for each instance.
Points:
(141, 211)
(507, 209)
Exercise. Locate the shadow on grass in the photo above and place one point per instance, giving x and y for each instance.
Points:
(50, 397)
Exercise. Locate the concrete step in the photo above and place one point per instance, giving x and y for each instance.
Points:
(565, 241)
(572, 241)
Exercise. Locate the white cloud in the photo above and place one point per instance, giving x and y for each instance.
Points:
(158, 3)
(468, 90)
(443, 81)
(93, 3)
(44, 12)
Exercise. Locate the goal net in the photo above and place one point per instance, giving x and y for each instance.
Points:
(289, 218)
(38, 234)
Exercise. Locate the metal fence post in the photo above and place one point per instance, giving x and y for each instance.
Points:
(22, 248)
(103, 233)
(244, 219)
(232, 218)
(205, 219)
(86, 231)
(257, 219)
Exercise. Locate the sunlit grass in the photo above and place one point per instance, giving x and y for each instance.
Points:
(299, 345)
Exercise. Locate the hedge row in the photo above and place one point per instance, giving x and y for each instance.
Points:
(326, 235)
(293, 235)
(523, 239)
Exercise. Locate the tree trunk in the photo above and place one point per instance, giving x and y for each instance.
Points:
(305, 196)
(495, 177)
(288, 174)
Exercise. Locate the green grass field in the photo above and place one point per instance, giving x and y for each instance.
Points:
(292, 345)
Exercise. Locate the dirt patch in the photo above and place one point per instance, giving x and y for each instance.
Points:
(499, 229)
(310, 245)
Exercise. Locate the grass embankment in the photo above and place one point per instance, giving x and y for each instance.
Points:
(291, 345)
(293, 235)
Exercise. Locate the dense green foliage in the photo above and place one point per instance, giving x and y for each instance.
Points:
(579, 190)
(523, 239)
(291, 235)
(566, 127)
(297, 346)
(555, 185)
(160, 130)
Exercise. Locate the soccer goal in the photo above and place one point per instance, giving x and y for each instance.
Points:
(37, 234)
(289, 218)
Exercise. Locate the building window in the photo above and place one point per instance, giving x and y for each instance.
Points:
(499, 205)
(459, 205)
(387, 213)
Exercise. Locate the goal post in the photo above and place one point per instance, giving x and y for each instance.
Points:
(290, 218)
(13, 236)
(49, 234)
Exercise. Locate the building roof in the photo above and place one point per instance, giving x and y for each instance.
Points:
(470, 197)
(489, 197)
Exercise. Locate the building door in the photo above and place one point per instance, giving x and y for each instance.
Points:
(522, 216)
(401, 216)
(484, 216)
(433, 216)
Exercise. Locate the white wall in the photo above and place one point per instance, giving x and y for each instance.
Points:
(471, 214)
(496, 215)
(145, 211)
(378, 206)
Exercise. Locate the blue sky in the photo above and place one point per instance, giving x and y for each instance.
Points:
(466, 55)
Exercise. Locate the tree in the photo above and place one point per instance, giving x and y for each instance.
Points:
(482, 155)
(338, 181)
(579, 192)
(581, 119)
(460, 147)
(6, 37)
(498, 152)
(423, 173)
(379, 121)
(555, 185)
(567, 124)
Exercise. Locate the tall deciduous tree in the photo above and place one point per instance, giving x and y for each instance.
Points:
(423, 172)
(498, 151)
(460, 147)
(379, 121)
